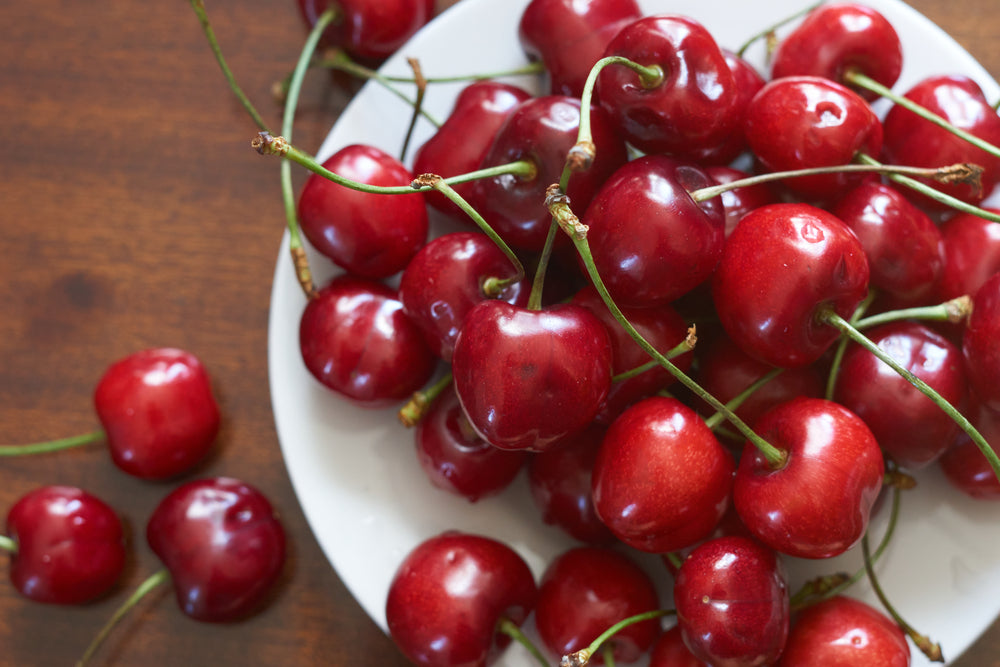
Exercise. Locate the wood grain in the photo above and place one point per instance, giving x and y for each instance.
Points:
(134, 215)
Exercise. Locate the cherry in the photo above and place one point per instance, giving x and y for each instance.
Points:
(800, 122)
(455, 459)
(369, 29)
(732, 603)
(586, 590)
(979, 344)
(222, 544)
(907, 425)
(356, 340)
(844, 632)
(670, 651)
(739, 201)
(69, 547)
(158, 412)
(459, 145)
(840, 38)
(780, 267)
(971, 254)
(529, 378)
(661, 480)
(817, 504)
(965, 466)
(569, 37)
(451, 593)
(369, 235)
(748, 81)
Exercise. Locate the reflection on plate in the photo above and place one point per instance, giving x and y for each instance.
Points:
(356, 473)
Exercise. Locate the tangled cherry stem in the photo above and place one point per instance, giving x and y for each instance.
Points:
(683, 347)
(415, 409)
(52, 445)
(769, 31)
(738, 400)
(582, 657)
(838, 354)
(509, 628)
(418, 104)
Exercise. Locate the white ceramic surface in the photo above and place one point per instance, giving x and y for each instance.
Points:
(355, 471)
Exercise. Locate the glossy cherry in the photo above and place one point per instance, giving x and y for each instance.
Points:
(979, 344)
(670, 651)
(223, 545)
(448, 596)
(70, 546)
(661, 480)
(748, 81)
(816, 505)
(356, 340)
(158, 412)
(369, 235)
(965, 466)
(739, 201)
(369, 29)
(529, 378)
(586, 590)
(732, 603)
(844, 632)
(781, 266)
(971, 254)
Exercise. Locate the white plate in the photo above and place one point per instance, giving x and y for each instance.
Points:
(355, 471)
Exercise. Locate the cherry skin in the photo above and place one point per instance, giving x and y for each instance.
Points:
(732, 603)
(356, 340)
(158, 412)
(369, 29)
(908, 426)
(836, 39)
(844, 632)
(455, 459)
(965, 466)
(223, 545)
(748, 81)
(369, 235)
(70, 547)
(817, 505)
(661, 480)
(781, 266)
(529, 378)
(585, 591)
(979, 344)
(971, 254)
(448, 596)
(740, 201)
(670, 651)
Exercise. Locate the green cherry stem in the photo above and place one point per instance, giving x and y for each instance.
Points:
(771, 29)
(582, 657)
(511, 629)
(682, 347)
(8, 545)
(415, 409)
(954, 311)
(738, 400)
(838, 354)
(845, 327)
(152, 582)
(418, 104)
(52, 445)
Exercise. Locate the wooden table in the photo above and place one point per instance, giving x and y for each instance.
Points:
(134, 215)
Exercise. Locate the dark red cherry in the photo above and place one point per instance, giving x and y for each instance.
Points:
(158, 412)
(911, 140)
(223, 545)
(979, 344)
(740, 201)
(838, 38)
(457, 460)
(569, 37)
(907, 424)
(585, 591)
(529, 378)
(369, 29)
(965, 466)
(445, 279)
(818, 503)
(459, 145)
(801, 122)
(661, 480)
(448, 596)
(356, 340)
(369, 235)
(748, 81)
(70, 547)
(651, 242)
(971, 254)
(670, 651)
(732, 603)
(782, 265)
(844, 632)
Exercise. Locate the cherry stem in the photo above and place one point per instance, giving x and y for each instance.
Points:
(845, 327)
(930, 649)
(770, 30)
(8, 545)
(838, 355)
(674, 558)
(51, 445)
(682, 347)
(152, 582)
(511, 629)
(569, 223)
(954, 311)
(738, 400)
(418, 104)
(608, 654)
(415, 409)
(582, 657)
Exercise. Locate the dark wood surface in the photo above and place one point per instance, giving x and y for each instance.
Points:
(134, 214)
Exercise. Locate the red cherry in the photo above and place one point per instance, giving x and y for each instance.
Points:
(740, 201)
(971, 254)
(748, 81)
(369, 235)
(585, 591)
(670, 651)
(844, 632)
(158, 412)
(732, 603)
(529, 378)
(70, 548)
(448, 596)
(965, 466)
(356, 340)
(661, 480)
(369, 29)
(816, 505)
(979, 344)
(223, 545)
